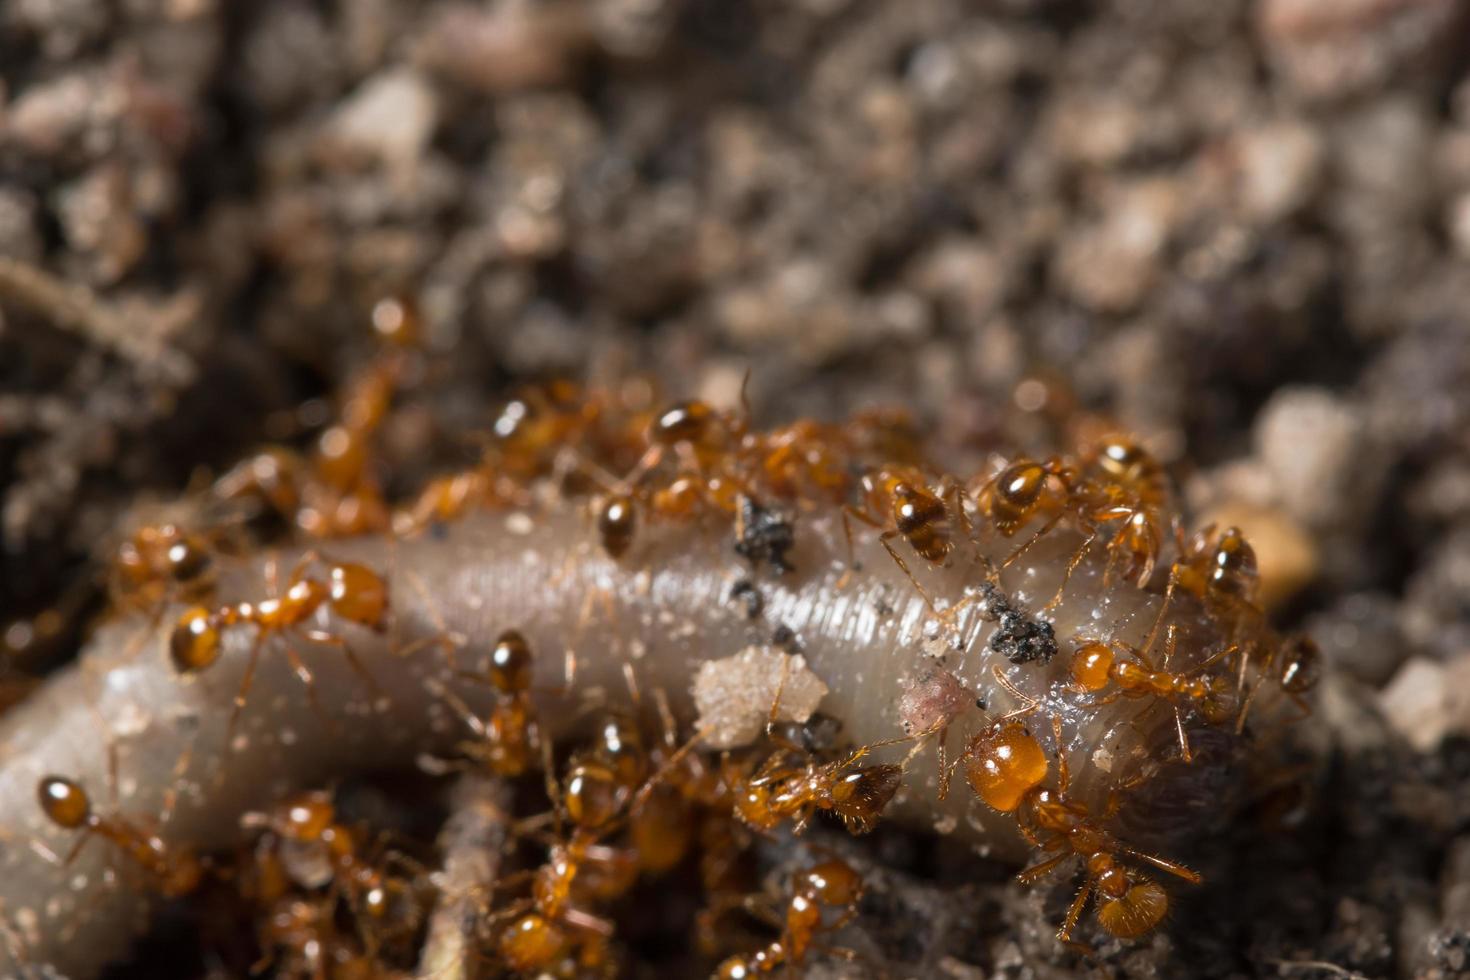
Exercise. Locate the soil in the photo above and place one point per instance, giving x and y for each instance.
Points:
(1242, 229)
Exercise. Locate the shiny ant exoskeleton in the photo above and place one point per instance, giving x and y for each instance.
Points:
(509, 740)
(823, 899)
(354, 592)
(385, 906)
(1006, 766)
(175, 871)
(1096, 666)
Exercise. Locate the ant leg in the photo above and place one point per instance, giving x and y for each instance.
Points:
(1064, 775)
(171, 795)
(1035, 873)
(472, 721)
(246, 680)
(1153, 632)
(76, 848)
(304, 674)
(1072, 566)
(1030, 704)
(780, 689)
(944, 771)
(1064, 934)
(1178, 870)
(1184, 752)
(848, 513)
(883, 540)
(448, 640)
(650, 784)
(1015, 556)
(112, 770)
(666, 714)
(358, 667)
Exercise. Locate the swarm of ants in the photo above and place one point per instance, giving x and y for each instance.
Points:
(586, 826)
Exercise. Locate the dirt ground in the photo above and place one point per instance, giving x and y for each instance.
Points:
(1240, 228)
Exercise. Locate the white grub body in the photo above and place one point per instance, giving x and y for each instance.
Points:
(664, 608)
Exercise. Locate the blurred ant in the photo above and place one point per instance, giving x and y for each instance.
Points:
(174, 870)
(1006, 766)
(332, 492)
(824, 898)
(354, 592)
(1295, 667)
(384, 905)
(509, 739)
(546, 926)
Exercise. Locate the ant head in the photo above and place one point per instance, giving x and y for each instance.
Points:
(684, 422)
(1004, 763)
(510, 663)
(1301, 664)
(64, 802)
(593, 793)
(835, 882)
(1122, 459)
(194, 643)
(530, 942)
(188, 559)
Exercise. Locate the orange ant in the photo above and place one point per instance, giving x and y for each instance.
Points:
(510, 737)
(602, 786)
(386, 902)
(1006, 766)
(1096, 664)
(546, 926)
(1295, 666)
(1125, 482)
(175, 871)
(832, 885)
(332, 493)
(159, 560)
(791, 784)
(354, 592)
(1024, 489)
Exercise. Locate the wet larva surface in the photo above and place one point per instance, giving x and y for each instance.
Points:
(664, 607)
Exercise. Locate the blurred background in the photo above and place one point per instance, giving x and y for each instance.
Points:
(1239, 227)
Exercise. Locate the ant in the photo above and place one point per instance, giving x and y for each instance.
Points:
(332, 493)
(1024, 489)
(792, 784)
(1096, 664)
(1295, 666)
(1006, 766)
(816, 892)
(1125, 482)
(158, 561)
(509, 739)
(387, 903)
(301, 938)
(354, 592)
(175, 871)
(546, 925)
(529, 428)
(612, 781)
